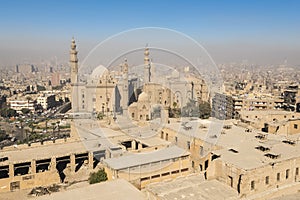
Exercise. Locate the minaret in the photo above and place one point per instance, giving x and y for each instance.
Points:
(73, 62)
(147, 66)
(152, 71)
(125, 87)
(74, 77)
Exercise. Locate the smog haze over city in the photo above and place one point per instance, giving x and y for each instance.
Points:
(261, 32)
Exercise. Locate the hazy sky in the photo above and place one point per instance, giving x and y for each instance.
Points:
(260, 31)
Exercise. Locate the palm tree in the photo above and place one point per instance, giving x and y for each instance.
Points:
(58, 126)
(53, 128)
(46, 125)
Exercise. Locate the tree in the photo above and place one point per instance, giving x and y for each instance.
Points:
(38, 107)
(205, 110)
(46, 125)
(28, 99)
(40, 88)
(25, 111)
(174, 104)
(53, 128)
(174, 112)
(100, 116)
(32, 126)
(8, 112)
(3, 135)
(191, 109)
(58, 127)
(97, 177)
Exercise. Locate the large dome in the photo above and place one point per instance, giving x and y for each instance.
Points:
(143, 97)
(98, 72)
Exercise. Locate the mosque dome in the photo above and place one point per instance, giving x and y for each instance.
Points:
(98, 72)
(134, 104)
(143, 97)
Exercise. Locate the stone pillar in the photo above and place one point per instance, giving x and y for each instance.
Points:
(11, 170)
(33, 166)
(91, 160)
(140, 146)
(133, 145)
(53, 164)
(164, 114)
(107, 154)
(72, 163)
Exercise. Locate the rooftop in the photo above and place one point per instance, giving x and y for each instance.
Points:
(117, 189)
(241, 146)
(137, 159)
(269, 112)
(192, 187)
(248, 150)
(43, 151)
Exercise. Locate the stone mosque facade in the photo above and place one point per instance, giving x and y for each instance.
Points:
(111, 92)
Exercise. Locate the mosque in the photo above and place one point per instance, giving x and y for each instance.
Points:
(111, 92)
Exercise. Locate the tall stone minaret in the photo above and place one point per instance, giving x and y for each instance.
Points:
(125, 87)
(73, 63)
(147, 66)
(74, 77)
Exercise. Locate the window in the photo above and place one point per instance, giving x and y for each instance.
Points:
(278, 176)
(297, 171)
(188, 144)
(287, 173)
(295, 126)
(267, 180)
(201, 150)
(200, 167)
(167, 136)
(205, 164)
(231, 181)
(252, 185)
(176, 140)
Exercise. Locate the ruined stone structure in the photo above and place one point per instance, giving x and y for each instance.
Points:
(44, 164)
(255, 164)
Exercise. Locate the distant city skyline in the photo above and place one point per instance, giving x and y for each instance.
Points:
(261, 32)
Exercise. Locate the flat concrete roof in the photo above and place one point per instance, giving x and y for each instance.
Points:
(42, 151)
(192, 187)
(243, 143)
(137, 159)
(117, 189)
(288, 197)
(92, 138)
(268, 112)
